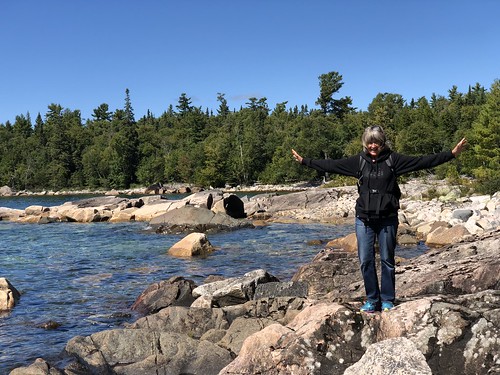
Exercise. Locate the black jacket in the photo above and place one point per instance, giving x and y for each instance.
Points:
(378, 187)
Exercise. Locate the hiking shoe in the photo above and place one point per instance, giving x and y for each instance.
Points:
(386, 306)
(368, 307)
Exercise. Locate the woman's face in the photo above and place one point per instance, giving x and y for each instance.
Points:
(374, 149)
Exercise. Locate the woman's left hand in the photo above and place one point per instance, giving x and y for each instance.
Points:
(459, 147)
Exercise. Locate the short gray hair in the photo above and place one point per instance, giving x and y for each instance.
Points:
(374, 134)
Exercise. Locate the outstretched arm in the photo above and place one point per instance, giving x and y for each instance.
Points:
(459, 147)
(346, 167)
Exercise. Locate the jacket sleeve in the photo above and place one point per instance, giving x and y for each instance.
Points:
(405, 164)
(347, 166)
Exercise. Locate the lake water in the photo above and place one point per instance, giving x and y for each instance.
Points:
(85, 277)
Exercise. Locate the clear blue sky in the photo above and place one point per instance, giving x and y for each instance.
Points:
(82, 53)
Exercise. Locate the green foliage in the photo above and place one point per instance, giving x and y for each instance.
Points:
(192, 145)
(484, 137)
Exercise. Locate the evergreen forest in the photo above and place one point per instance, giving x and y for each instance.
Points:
(223, 146)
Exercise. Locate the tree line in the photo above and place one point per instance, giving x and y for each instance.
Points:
(191, 145)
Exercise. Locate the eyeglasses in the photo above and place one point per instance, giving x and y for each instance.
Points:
(376, 128)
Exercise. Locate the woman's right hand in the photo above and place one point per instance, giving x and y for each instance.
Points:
(297, 156)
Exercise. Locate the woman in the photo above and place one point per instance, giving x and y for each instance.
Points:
(377, 168)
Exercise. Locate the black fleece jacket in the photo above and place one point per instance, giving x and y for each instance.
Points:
(378, 188)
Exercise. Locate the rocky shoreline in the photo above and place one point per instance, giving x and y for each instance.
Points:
(446, 320)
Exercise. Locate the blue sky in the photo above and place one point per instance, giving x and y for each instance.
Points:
(82, 53)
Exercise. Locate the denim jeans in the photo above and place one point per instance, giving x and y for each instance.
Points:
(366, 233)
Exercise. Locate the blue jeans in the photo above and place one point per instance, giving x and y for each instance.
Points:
(366, 233)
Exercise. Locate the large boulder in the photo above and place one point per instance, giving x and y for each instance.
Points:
(146, 351)
(445, 236)
(196, 219)
(175, 291)
(194, 244)
(9, 296)
(233, 291)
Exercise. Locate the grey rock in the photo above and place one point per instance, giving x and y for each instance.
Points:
(145, 351)
(281, 289)
(194, 219)
(462, 214)
(175, 291)
(235, 290)
(194, 322)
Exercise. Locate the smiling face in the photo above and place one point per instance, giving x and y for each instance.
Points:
(374, 149)
(373, 141)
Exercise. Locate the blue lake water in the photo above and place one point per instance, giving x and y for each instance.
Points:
(85, 277)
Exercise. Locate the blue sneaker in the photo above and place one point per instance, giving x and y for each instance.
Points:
(386, 306)
(368, 307)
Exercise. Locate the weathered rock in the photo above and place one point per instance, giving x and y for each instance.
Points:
(281, 289)
(9, 296)
(175, 291)
(320, 340)
(39, 367)
(144, 351)
(333, 273)
(280, 309)
(234, 290)
(381, 358)
(462, 268)
(457, 334)
(194, 244)
(241, 328)
(156, 208)
(326, 338)
(445, 236)
(194, 322)
(193, 219)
